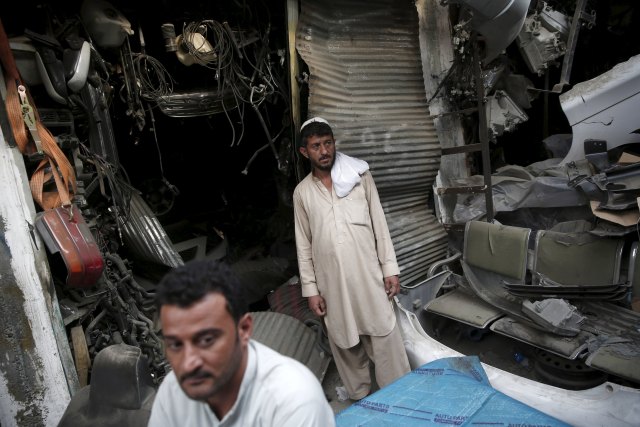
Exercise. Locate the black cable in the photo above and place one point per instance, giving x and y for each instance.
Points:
(155, 80)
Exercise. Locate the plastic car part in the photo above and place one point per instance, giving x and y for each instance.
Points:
(499, 22)
(121, 391)
(64, 231)
(503, 114)
(604, 108)
(80, 67)
(608, 404)
(106, 25)
(553, 313)
(543, 38)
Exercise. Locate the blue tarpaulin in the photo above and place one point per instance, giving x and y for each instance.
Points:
(452, 391)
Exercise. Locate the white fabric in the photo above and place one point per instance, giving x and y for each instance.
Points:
(312, 120)
(276, 391)
(346, 173)
(344, 253)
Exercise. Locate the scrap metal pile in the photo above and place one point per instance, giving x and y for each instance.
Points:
(558, 268)
(108, 245)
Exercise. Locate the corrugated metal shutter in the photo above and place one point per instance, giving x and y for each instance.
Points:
(366, 79)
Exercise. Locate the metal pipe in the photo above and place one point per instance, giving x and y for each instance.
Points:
(442, 262)
(482, 128)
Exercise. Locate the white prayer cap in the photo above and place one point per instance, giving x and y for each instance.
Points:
(313, 120)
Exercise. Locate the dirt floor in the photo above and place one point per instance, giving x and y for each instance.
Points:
(329, 384)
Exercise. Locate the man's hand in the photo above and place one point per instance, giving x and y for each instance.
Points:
(317, 305)
(392, 286)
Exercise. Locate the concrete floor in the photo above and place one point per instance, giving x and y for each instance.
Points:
(329, 384)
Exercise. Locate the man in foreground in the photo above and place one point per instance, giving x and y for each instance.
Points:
(221, 377)
(347, 263)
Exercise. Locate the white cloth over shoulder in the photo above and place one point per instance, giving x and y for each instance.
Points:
(346, 173)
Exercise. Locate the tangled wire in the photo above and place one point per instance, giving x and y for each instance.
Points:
(155, 81)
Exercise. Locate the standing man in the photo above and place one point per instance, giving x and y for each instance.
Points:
(348, 267)
(220, 376)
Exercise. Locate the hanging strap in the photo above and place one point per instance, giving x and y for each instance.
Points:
(24, 119)
(12, 78)
(55, 165)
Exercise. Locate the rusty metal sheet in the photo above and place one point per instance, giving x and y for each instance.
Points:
(290, 337)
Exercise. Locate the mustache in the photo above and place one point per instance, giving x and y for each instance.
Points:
(198, 374)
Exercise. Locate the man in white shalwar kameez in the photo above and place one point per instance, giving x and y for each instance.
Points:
(347, 263)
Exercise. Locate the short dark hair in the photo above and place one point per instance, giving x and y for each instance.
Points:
(314, 128)
(185, 285)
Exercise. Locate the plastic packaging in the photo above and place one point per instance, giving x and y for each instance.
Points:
(521, 359)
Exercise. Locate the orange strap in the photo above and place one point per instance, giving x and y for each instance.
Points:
(55, 164)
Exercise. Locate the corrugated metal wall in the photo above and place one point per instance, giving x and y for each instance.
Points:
(366, 79)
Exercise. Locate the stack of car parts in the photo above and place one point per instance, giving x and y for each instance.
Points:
(614, 292)
(543, 38)
(577, 307)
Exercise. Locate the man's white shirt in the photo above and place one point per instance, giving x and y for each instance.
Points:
(276, 391)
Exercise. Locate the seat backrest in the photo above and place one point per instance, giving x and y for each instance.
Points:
(121, 393)
(577, 259)
(498, 248)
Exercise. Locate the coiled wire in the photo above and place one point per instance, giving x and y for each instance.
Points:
(155, 81)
